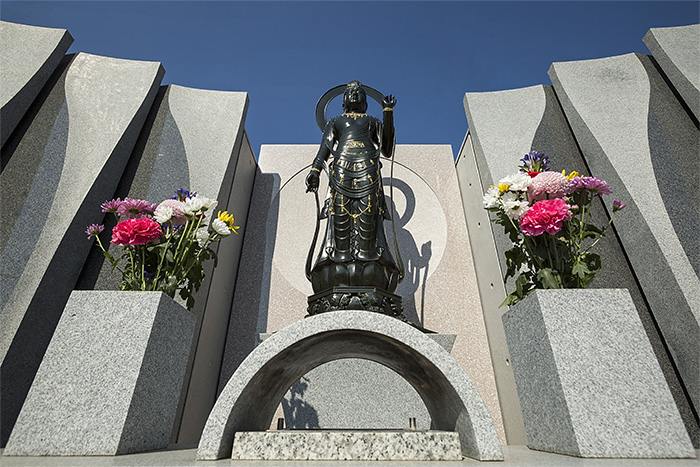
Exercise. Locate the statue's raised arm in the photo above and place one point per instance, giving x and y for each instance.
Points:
(354, 268)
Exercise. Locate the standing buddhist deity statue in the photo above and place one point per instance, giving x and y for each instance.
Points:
(355, 267)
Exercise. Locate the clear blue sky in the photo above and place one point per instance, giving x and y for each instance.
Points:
(287, 54)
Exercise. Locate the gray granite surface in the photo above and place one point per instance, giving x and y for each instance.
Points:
(347, 445)
(24, 70)
(677, 51)
(588, 380)
(192, 139)
(110, 381)
(650, 159)
(185, 456)
(249, 400)
(357, 394)
(67, 163)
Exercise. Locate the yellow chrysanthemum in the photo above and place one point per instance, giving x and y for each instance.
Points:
(227, 219)
(502, 188)
(571, 175)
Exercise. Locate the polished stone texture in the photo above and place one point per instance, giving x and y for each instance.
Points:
(677, 52)
(347, 445)
(249, 400)
(24, 70)
(110, 380)
(356, 394)
(68, 161)
(649, 156)
(192, 139)
(588, 380)
(433, 241)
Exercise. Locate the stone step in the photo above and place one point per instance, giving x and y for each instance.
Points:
(389, 445)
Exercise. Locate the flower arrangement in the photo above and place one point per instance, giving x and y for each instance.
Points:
(546, 215)
(164, 245)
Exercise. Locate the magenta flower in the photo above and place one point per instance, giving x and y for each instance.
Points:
(548, 184)
(111, 206)
(94, 230)
(618, 205)
(134, 208)
(592, 184)
(547, 215)
(136, 232)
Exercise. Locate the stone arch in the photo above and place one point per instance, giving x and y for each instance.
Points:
(251, 396)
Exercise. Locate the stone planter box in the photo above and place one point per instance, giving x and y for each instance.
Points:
(110, 380)
(587, 378)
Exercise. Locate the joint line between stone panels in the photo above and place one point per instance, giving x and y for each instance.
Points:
(238, 146)
(655, 323)
(675, 92)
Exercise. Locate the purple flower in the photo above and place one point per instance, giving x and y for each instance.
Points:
(111, 206)
(182, 194)
(135, 208)
(592, 184)
(94, 230)
(618, 205)
(535, 162)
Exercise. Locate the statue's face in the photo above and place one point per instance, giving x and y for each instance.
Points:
(355, 99)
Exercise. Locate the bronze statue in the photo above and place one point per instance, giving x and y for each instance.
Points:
(355, 268)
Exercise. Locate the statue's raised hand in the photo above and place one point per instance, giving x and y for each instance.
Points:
(312, 181)
(389, 102)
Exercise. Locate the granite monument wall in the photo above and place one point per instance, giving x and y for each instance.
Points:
(621, 119)
(102, 128)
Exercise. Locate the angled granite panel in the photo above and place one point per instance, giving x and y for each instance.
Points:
(114, 369)
(588, 380)
(28, 56)
(635, 134)
(192, 139)
(677, 51)
(68, 162)
(432, 239)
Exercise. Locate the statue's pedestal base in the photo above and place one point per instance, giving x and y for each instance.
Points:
(356, 298)
(347, 445)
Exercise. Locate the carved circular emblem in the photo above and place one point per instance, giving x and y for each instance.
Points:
(322, 104)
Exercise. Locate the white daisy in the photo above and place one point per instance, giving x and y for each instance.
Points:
(162, 214)
(491, 198)
(220, 227)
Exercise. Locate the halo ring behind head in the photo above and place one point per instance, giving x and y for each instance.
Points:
(322, 104)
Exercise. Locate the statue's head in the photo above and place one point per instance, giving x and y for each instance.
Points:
(354, 98)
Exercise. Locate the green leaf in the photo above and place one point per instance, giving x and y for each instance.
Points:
(548, 278)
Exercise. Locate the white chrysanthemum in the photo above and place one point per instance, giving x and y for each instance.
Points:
(192, 205)
(518, 182)
(491, 198)
(220, 227)
(202, 236)
(208, 203)
(513, 205)
(162, 214)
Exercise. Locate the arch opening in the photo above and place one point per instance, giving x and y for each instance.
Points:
(251, 397)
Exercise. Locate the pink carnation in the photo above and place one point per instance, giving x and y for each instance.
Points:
(547, 215)
(179, 217)
(136, 232)
(553, 184)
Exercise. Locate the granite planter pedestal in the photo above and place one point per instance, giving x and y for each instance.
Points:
(588, 381)
(110, 380)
